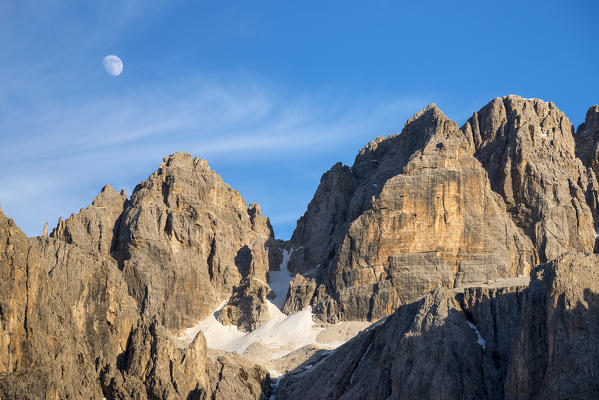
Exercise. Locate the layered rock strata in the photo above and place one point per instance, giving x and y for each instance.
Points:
(527, 147)
(439, 206)
(70, 329)
(415, 212)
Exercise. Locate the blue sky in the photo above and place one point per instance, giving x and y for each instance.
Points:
(271, 93)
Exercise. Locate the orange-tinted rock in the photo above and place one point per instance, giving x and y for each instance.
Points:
(421, 215)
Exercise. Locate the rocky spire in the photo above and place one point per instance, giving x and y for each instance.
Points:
(527, 148)
(184, 224)
(587, 139)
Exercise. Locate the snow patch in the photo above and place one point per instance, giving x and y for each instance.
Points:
(279, 281)
(218, 333)
(285, 333)
(479, 338)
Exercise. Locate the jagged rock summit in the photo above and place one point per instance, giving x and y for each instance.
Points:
(442, 206)
(183, 241)
(470, 249)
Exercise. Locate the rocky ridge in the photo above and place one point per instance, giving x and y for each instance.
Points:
(442, 206)
(72, 323)
(435, 231)
(513, 342)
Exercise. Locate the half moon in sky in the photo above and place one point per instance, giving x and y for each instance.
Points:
(113, 65)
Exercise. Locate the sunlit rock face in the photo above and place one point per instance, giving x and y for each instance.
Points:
(438, 229)
(186, 239)
(94, 227)
(71, 322)
(415, 212)
(527, 147)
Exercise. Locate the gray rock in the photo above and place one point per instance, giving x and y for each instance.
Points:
(415, 212)
(527, 148)
(186, 239)
(43, 353)
(94, 228)
(154, 369)
(496, 314)
(555, 354)
(587, 140)
(233, 377)
(426, 349)
(247, 307)
(515, 342)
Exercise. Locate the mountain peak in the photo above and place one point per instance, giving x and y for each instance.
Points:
(429, 112)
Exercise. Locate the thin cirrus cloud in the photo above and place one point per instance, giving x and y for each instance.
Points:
(65, 132)
(58, 157)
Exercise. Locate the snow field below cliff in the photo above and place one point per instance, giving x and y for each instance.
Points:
(281, 334)
(479, 339)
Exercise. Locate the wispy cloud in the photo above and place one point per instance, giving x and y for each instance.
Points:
(66, 129)
(106, 139)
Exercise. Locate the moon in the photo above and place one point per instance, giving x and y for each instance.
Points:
(113, 65)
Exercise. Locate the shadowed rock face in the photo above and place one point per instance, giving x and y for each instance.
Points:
(415, 212)
(555, 353)
(587, 150)
(540, 342)
(587, 139)
(407, 357)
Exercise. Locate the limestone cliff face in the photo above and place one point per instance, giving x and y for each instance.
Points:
(587, 139)
(186, 239)
(183, 241)
(94, 227)
(71, 323)
(90, 296)
(155, 368)
(50, 320)
(527, 147)
(70, 329)
(415, 212)
(510, 342)
(555, 353)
